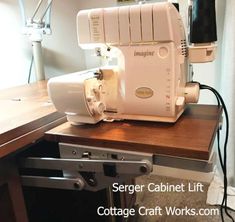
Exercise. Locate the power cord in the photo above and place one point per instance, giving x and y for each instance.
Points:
(223, 163)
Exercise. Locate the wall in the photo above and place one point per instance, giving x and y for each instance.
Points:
(62, 55)
(13, 48)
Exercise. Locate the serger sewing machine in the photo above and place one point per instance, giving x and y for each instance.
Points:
(152, 81)
(152, 78)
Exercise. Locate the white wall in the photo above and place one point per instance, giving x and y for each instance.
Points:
(62, 55)
(13, 49)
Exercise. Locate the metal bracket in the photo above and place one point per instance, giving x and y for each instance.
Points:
(186, 163)
(87, 167)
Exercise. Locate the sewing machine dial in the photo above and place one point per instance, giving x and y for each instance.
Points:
(93, 96)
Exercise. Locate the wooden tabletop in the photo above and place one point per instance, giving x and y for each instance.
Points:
(25, 115)
(191, 136)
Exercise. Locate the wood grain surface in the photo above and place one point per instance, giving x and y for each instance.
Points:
(26, 113)
(191, 136)
(12, 206)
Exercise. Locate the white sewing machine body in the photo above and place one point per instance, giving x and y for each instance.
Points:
(151, 79)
